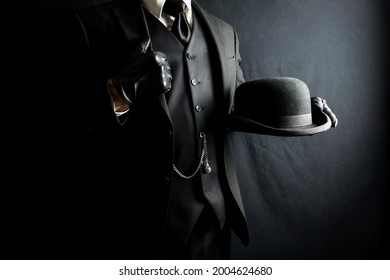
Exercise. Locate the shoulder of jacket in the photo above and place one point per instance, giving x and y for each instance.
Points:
(214, 20)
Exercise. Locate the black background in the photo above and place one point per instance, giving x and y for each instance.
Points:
(319, 197)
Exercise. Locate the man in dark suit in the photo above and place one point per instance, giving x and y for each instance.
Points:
(155, 110)
(155, 101)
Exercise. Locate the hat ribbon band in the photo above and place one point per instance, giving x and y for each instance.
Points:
(292, 121)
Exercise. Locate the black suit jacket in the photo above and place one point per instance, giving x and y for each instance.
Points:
(136, 158)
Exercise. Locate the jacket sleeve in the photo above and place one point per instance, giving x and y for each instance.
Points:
(239, 73)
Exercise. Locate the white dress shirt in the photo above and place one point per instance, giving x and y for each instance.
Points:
(155, 8)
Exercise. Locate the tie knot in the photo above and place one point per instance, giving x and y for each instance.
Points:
(174, 7)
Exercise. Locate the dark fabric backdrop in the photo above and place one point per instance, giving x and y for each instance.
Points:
(318, 197)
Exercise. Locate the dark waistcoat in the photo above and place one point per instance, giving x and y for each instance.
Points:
(193, 107)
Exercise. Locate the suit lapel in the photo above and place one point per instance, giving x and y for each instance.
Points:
(216, 35)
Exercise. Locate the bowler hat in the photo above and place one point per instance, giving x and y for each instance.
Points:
(278, 106)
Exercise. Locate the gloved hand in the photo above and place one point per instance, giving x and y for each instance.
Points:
(148, 74)
(320, 104)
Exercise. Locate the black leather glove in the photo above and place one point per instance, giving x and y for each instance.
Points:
(148, 74)
(321, 105)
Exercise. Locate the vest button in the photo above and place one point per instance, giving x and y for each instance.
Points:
(190, 56)
(194, 82)
(198, 108)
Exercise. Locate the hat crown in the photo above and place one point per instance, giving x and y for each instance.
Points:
(280, 102)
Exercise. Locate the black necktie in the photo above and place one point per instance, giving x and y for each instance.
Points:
(180, 26)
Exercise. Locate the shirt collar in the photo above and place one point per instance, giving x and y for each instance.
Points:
(155, 6)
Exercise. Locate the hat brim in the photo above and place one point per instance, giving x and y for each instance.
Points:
(320, 124)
